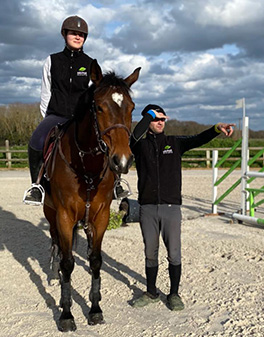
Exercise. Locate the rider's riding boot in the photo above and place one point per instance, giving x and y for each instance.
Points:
(34, 195)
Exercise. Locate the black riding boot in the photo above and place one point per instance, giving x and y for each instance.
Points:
(34, 194)
(175, 276)
(174, 301)
(151, 274)
(151, 295)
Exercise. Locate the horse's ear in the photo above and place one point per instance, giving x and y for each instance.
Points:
(133, 77)
(96, 73)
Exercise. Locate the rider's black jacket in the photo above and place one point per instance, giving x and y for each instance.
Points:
(158, 162)
(70, 76)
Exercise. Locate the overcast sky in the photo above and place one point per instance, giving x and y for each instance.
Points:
(196, 60)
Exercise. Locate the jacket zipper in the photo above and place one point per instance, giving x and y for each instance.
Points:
(157, 166)
(71, 66)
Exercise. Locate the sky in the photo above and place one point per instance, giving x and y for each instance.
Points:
(197, 58)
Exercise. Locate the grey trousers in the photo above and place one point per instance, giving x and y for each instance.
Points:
(165, 220)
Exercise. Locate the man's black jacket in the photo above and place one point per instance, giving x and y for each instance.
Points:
(158, 162)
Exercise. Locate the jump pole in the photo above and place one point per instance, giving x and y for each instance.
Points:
(245, 174)
(247, 194)
(255, 174)
(249, 219)
(244, 163)
(216, 182)
(215, 174)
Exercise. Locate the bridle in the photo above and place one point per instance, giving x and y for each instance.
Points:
(102, 146)
(99, 133)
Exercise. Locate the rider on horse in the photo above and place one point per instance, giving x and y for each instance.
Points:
(65, 79)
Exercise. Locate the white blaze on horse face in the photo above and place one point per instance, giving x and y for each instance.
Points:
(117, 98)
(123, 161)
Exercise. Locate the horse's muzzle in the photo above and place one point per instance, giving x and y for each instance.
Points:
(120, 164)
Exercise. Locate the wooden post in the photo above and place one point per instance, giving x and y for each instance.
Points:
(8, 154)
(207, 158)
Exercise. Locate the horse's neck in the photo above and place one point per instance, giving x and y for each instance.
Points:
(86, 135)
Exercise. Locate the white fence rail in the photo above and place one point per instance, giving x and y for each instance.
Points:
(207, 158)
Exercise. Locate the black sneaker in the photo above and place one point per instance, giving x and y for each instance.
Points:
(145, 299)
(175, 302)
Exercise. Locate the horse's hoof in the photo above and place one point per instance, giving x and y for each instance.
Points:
(96, 318)
(67, 325)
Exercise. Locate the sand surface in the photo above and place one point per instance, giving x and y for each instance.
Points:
(222, 282)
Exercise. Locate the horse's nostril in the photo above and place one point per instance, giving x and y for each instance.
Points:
(116, 160)
(119, 165)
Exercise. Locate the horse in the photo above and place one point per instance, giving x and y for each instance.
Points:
(90, 155)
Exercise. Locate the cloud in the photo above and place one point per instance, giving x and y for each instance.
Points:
(196, 60)
(188, 27)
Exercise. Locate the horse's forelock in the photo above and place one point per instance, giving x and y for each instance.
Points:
(110, 79)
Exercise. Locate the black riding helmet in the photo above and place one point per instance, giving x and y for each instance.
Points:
(76, 24)
(152, 107)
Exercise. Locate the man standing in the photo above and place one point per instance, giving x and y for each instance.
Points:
(158, 164)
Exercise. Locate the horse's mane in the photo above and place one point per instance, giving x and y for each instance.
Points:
(110, 79)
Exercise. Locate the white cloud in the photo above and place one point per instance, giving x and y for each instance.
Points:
(231, 13)
(196, 60)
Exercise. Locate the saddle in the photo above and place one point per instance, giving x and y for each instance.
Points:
(51, 148)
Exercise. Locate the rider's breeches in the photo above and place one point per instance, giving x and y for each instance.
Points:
(165, 220)
(38, 137)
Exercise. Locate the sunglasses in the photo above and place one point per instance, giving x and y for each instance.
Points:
(159, 119)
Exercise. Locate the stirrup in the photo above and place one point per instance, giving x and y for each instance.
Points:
(31, 202)
(126, 192)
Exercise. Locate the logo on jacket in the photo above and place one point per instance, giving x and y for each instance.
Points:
(167, 150)
(82, 72)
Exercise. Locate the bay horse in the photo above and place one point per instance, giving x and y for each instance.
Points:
(90, 155)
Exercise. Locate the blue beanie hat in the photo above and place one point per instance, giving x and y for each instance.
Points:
(152, 107)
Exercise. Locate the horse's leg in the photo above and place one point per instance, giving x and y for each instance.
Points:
(50, 215)
(95, 258)
(65, 229)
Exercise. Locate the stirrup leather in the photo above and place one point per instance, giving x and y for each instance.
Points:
(31, 202)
